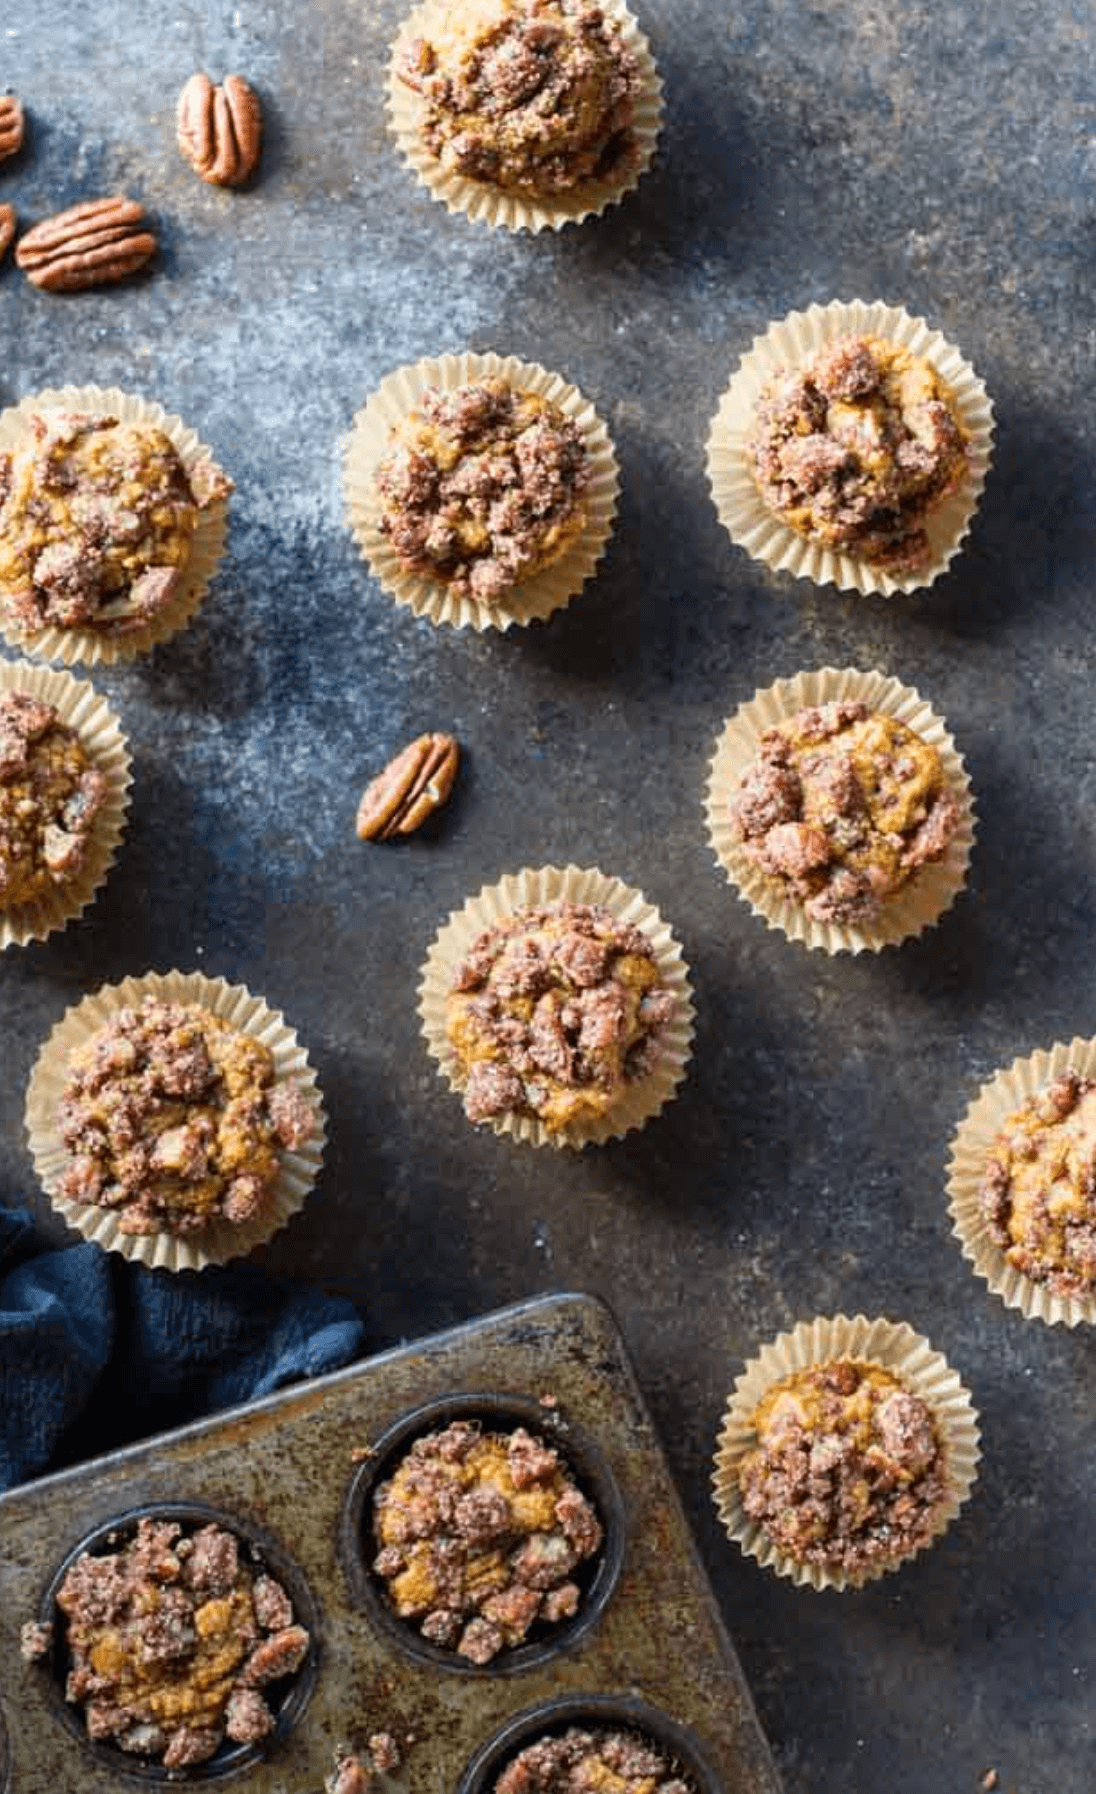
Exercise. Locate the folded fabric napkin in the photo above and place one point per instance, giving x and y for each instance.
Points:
(96, 1352)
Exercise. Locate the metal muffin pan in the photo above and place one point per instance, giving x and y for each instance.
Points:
(294, 1473)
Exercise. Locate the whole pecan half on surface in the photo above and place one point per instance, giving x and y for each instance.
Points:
(220, 129)
(98, 241)
(7, 229)
(411, 787)
(11, 125)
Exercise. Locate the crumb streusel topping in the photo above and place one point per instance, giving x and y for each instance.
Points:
(533, 96)
(856, 448)
(97, 519)
(484, 488)
(848, 1469)
(553, 1011)
(1039, 1190)
(173, 1640)
(50, 795)
(480, 1536)
(600, 1760)
(173, 1118)
(842, 806)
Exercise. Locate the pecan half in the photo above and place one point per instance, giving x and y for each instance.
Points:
(220, 129)
(11, 125)
(7, 229)
(90, 244)
(414, 785)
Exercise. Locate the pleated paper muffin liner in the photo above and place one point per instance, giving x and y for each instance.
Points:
(370, 441)
(890, 1345)
(221, 1240)
(498, 206)
(970, 1148)
(637, 1101)
(743, 511)
(79, 706)
(932, 889)
(98, 647)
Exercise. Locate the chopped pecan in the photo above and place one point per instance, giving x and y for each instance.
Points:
(97, 241)
(220, 129)
(7, 229)
(11, 125)
(414, 785)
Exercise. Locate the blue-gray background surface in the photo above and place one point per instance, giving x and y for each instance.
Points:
(940, 157)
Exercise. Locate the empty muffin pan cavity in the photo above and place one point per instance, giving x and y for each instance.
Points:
(545, 1579)
(285, 1696)
(599, 1714)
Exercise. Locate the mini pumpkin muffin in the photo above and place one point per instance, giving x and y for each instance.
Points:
(174, 1640)
(50, 795)
(97, 522)
(847, 1446)
(584, 1758)
(842, 806)
(483, 487)
(1038, 1194)
(480, 1535)
(857, 446)
(531, 96)
(171, 1119)
(553, 1012)
(848, 1470)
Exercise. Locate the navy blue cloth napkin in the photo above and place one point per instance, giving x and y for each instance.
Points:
(96, 1352)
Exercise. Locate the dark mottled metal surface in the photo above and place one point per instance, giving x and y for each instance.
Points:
(937, 156)
(286, 1466)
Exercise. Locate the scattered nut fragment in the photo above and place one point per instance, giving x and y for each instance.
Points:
(220, 129)
(414, 785)
(11, 125)
(95, 242)
(7, 229)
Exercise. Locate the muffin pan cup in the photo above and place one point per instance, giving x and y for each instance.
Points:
(287, 1700)
(592, 1712)
(295, 1468)
(597, 1576)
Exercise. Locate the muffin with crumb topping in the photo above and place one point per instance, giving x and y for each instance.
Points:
(483, 487)
(855, 448)
(530, 96)
(97, 522)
